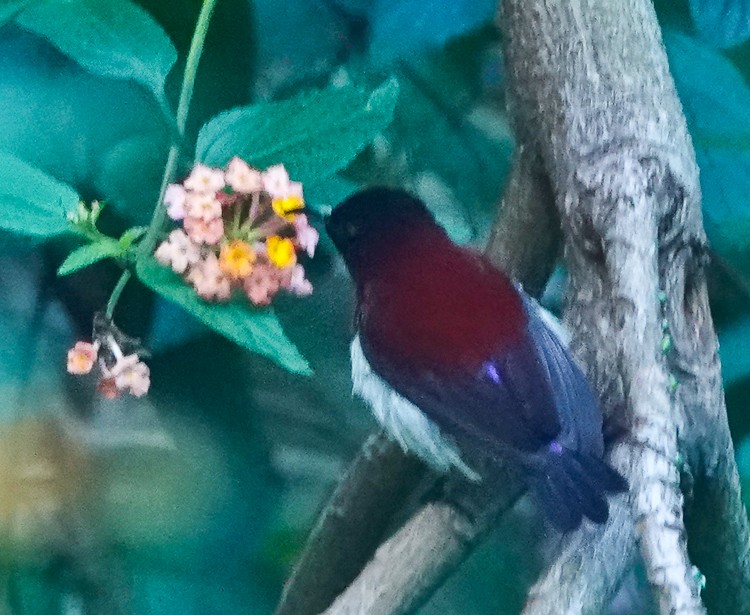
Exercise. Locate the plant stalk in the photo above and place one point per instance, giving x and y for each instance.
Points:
(148, 243)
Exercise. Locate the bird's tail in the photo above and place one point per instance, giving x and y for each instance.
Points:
(573, 485)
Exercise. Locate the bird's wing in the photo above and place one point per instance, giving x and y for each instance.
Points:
(522, 397)
(577, 407)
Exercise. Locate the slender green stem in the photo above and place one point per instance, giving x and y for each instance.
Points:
(159, 216)
(193, 59)
(148, 242)
(236, 220)
(169, 118)
(116, 292)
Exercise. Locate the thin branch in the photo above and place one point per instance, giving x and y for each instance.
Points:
(351, 526)
(718, 530)
(526, 235)
(411, 564)
(719, 537)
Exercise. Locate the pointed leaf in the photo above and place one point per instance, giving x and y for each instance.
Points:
(10, 8)
(89, 254)
(313, 135)
(111, 38)
(31, 202)
(258, 330)
(129, 236)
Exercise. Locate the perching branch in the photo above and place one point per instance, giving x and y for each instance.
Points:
(351, 526)
(429, 545)
(564, 589)
(411, 564)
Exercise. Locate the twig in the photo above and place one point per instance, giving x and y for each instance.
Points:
(351, 526)
(526, 236)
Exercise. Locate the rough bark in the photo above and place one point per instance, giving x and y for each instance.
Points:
(564, 590)
(408, 567)
(592, 89)
(527, 210)
(430, 543)
(351, 526)
(599, 122)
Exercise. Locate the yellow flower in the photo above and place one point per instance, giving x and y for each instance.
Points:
(288, 206)
(236, 259)
(281, 251)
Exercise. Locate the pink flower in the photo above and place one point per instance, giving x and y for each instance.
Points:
(205, 179)
(298, 284)
(202, 205)
(108, 389)
(174, 199)
(295, 189)
(81, 358)
(307, 236)
(242, 178)
(201, 231)
(178, 251)
(132, 375)
(262, 283)
(276, 181)
(209, 281)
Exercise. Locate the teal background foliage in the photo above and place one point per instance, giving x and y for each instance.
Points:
(198, 498)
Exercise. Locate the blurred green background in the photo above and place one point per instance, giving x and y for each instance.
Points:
(198, 498)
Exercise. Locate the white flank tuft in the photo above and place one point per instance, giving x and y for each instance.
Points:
(404, 421)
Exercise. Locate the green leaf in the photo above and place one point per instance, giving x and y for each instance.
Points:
(89, 254)
(10, 8)
(325, 195)
(314, 134)
(733, 345)
(129, 236)
(111, 38)
(138, 155)
(31, 202)
(258, 330)
(457, 151)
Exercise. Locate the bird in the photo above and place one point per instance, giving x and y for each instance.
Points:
(457, 362)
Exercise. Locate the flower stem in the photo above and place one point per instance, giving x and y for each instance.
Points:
(116, 292)
(148, 243)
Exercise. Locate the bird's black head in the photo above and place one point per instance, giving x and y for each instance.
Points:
(369, 224)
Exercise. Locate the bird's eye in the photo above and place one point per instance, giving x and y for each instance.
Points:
(352, 230)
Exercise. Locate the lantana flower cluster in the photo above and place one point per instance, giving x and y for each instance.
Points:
(116, 357)
(240, 228)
